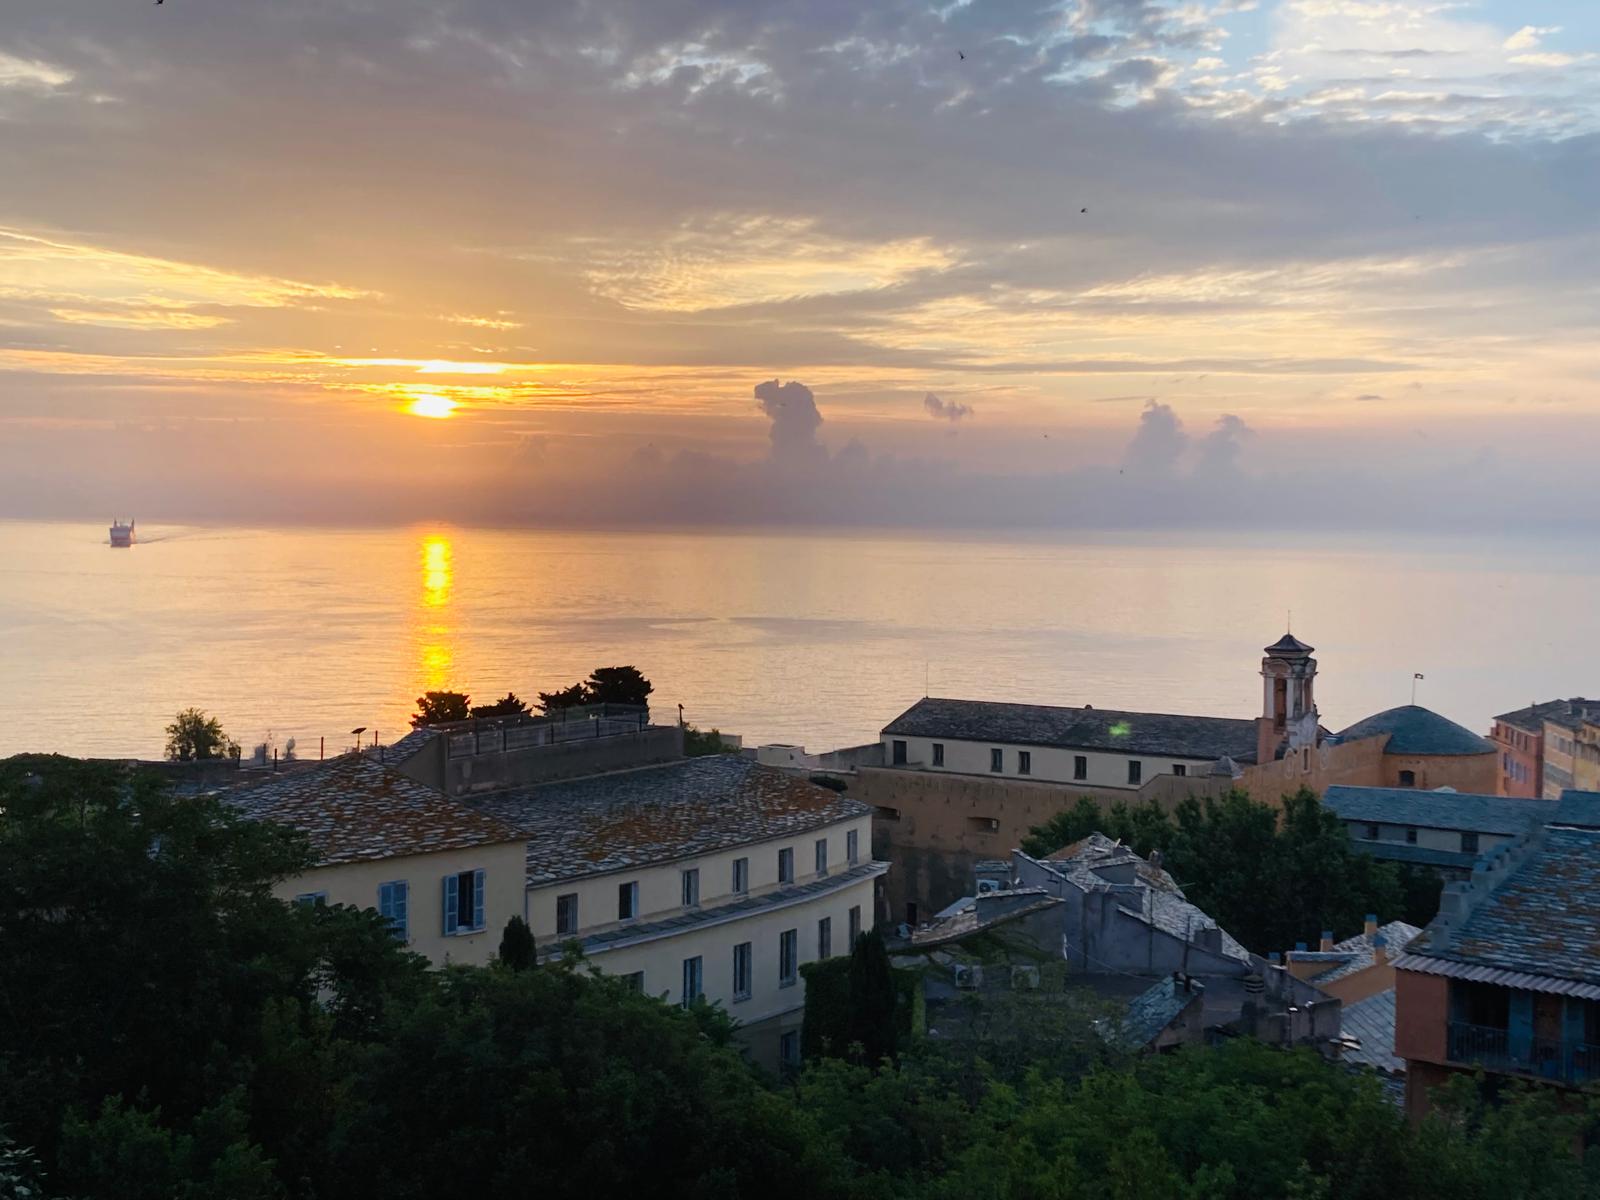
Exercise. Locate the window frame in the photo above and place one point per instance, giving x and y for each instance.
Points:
(454, 926)
(938, 754)
(694, 967)
(630, 890)
(744, 963)
(1180, 770)
(997, 760)
(1080, 767)
(852, 847)
(824, 938)
(1469, 842)
(394, 903)
(820, 850)
(741, 877)
(689, 886)
(788, 958)
(897, 752)
(1135, 772)
(1411, 835)
(854, 919)
(786, 864)
(312, 899)
(1024, 762)
(567, 928)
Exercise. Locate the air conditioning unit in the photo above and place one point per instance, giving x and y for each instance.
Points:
(988, 885)
(969, 978)
(1024, 979)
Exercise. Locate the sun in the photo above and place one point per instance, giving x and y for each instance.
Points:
(430, 404)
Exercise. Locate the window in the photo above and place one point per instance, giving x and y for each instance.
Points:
(1372, 833)
(898, 749)
(692, 977)
(463, 903)
(886, 814)
(394, 904)
(822, 856)
(1024, 762)
(1179, 769)
(312, 899)
(825, 938)
(1411, 837)
(1135, 770)
(633, 981)
(997, 759)
(691, 887)
(742, 963)
(786, 865)
(852, 847)
(855, 924)
(567, 914)
(1469, 843)
(1080, 766)
(627, 900)
(741, 876)
(1408, 779)
(788, 957)
(938, 754)
(789, 1050)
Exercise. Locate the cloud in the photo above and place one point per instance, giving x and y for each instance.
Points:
(18, 72)
(1219, 451)
(941, 410)
(1528, 36)
(1159, 442)
(795, 420)
(1368, 397)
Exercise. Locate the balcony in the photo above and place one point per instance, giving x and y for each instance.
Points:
(1496, 1050)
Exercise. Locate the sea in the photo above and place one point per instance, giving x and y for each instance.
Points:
(813, 638)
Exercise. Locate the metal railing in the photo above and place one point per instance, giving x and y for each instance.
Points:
(497, 735)
(1556, 1059)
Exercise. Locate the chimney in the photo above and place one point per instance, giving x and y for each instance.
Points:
(1369, 930)
(1326, 944)
(1155, 859)
(1380, 950)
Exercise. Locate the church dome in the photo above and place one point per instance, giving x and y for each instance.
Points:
(1413, 729)
(1289, 644)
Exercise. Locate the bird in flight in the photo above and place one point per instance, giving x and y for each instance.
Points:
(961, 54)
(1083, 210)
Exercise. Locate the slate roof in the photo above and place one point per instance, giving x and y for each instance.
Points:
(1153, 1010)
(1532, 718)
(354, 809)
(1426, 856)
(653, 815)
(1164, 734)
(1544, 919)
(1472, 812)
(1413, 729)
(1581, 809)
(1162, 902)
(1356, 953)
(397, 752)
(1371, 1021)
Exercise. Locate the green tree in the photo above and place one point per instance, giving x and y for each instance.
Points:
(618, 685)
(511, 706)
(516, 945)
(871, 1024)
(575, 696)
(439, 708)
(193, 737)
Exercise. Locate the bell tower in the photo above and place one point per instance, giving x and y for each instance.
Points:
(1288, 698)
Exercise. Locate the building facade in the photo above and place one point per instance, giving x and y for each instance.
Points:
(446, 877)
(1519, 737)
(1507, 978)
(1448, 831)
(710, 878)
(1565, 726)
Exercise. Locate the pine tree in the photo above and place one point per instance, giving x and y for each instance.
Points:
(516, 945)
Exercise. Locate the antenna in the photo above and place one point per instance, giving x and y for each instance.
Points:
(924, 679)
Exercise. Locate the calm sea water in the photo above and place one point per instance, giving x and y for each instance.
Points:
(812, 638)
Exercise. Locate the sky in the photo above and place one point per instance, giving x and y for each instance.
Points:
(1094, 263)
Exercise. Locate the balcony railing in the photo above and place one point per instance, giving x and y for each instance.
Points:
(497, 735)
(1493, 1049)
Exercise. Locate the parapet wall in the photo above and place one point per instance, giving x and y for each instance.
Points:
(465, 774)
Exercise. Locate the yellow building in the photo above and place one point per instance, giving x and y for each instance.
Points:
(710, 877)
(447, 877)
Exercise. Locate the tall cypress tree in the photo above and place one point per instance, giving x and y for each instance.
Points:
(872, 998)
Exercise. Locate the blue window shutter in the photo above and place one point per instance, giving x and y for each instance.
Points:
(402, 907)
(449, 904)
(480, 919)
(386, 900)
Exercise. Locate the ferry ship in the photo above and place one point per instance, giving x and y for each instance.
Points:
(122, 534)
